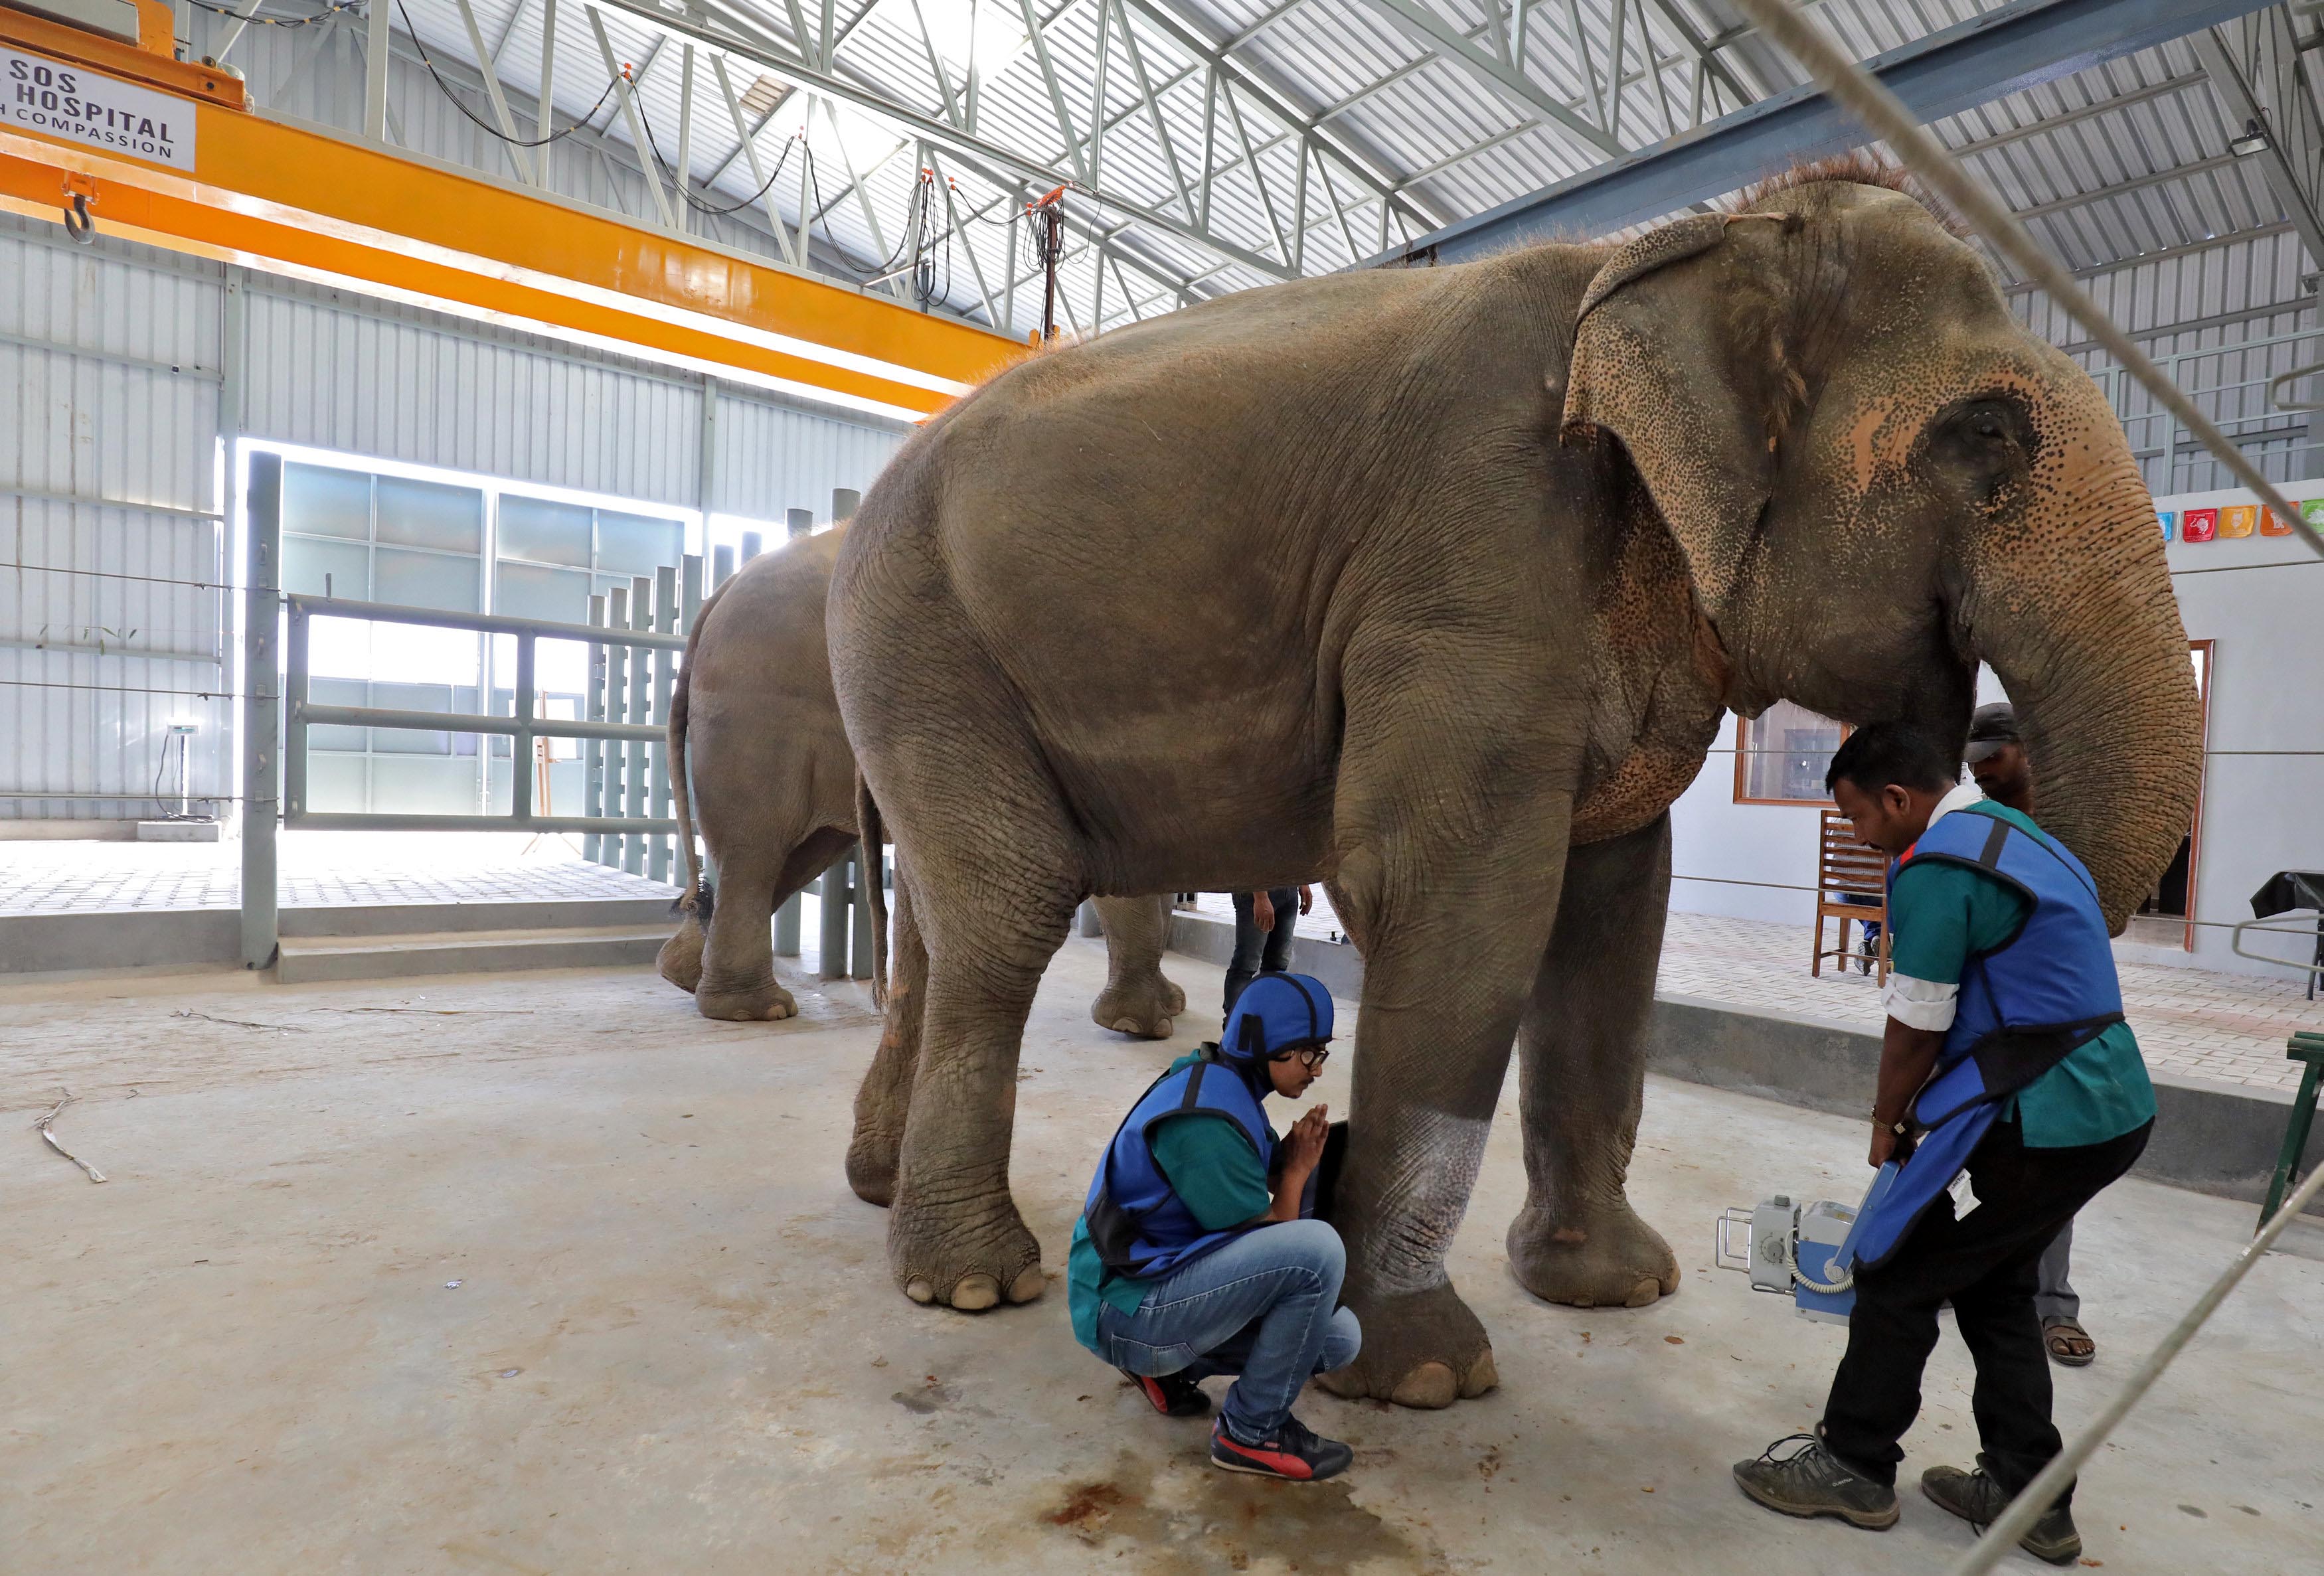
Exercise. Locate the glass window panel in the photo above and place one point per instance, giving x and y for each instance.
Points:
(530, 590)
(543, 531)
(335, 783)
(1786, 750)
(337, 692)
(347, 564)
(410, 697)
(411, 785)
(637, 544)
(317, 501)
(431, 514)
(427, 580)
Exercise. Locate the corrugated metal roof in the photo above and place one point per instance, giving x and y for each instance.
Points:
(1362, 126)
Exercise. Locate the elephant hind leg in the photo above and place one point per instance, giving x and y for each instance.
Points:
(738, 960)
(1138, 999)
(1583, 1050)
(680, 959)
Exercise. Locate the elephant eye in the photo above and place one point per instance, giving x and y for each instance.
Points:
(1988, 422)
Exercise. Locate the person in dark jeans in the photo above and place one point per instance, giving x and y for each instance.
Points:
(1996, 758)
(1263, 936)
(2004, 984)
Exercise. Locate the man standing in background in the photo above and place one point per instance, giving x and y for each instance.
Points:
(1996, 759)
(1263, 936)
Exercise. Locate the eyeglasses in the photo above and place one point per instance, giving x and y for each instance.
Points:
(1309, 1056)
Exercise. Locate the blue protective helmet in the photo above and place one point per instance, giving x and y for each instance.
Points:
(1274, 1014)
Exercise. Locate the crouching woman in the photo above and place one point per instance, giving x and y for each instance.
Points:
(1198, 1253)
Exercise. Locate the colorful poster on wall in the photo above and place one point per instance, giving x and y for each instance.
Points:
(2200, 525)
(2170, 522)
(2238, 519)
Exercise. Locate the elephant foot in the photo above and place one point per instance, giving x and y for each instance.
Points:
(873, 1154)
(680, 958)
(966, 1260)
(1602, 1258)
(767, 1003)
(1143, 1009)
(1423, 1350)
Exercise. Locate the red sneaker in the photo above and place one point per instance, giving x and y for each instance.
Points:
(1297, 1453)
(1171, 1394)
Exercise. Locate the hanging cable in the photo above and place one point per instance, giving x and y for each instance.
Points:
(477, 120)
(254, 20)
(653, 152)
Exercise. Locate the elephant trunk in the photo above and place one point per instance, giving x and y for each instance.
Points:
(2075, 614)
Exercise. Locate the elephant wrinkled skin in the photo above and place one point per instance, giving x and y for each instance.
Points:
(1436, 584)
(758, 757)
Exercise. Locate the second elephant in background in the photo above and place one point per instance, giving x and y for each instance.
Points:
(758, 760)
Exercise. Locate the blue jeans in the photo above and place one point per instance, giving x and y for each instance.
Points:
(1265, 1308)
(1260, 951)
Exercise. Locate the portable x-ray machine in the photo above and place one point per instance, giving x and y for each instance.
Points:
(1808, 1250)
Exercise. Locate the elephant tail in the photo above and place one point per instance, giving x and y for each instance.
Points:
(696, 898)
(874, 864)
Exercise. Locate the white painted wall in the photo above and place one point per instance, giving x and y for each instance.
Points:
(2261, 600)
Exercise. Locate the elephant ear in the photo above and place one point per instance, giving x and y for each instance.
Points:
(1675, 354)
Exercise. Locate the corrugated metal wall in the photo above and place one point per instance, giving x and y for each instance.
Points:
(95, 663)
(109, 386)
(335, 371)
(774, 455)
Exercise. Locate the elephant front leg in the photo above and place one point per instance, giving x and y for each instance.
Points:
(1137, 998)
(1444, 986)
(1583, 1042)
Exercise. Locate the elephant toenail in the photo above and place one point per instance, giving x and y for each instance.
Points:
(1572, 1236)
(1428, 1388)
(920, 1291)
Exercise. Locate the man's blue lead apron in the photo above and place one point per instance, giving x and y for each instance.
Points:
(2024, 1006)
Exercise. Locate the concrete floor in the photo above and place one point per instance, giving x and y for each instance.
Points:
(672, 1345)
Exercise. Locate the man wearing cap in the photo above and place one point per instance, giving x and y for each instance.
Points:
(1996, 759)
(1198, 1254)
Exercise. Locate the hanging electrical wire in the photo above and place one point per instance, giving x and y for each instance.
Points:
(888, 266)
(254, 20)
(669, 173)
(478, 121)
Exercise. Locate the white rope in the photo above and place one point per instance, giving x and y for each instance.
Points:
(1889, 120)
(2027, 1507)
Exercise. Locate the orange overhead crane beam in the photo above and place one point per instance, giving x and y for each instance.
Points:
(154, 156)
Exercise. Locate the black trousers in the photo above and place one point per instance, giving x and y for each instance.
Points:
(1987, 1262)
(1260, 951)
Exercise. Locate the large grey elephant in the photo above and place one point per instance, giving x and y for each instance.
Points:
(758, 755)
(1437, 583)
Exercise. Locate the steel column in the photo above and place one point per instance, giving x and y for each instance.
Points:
(522, 769)
(641, 612)
(845, 503)
(869, 865)
(798, 523)
(832, 963)
(617, 710)
(262, 680)
(592, 753)
(665, 677)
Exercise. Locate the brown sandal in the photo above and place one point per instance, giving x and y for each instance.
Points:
(2068, 1343)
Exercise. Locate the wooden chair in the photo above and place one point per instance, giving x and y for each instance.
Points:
(1852, 885)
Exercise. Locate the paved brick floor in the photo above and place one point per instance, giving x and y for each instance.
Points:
(2193, 1023)
(316, 869)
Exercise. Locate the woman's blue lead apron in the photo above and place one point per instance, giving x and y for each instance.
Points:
(2024, 1006)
